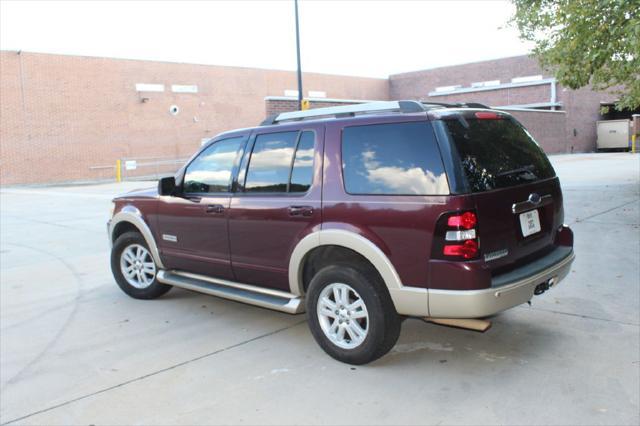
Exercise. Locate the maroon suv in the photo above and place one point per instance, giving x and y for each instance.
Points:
(361, 215)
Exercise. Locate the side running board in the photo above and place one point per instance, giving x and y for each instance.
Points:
(258, 296)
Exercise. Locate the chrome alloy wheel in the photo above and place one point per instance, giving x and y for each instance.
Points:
(343, 315)
(137, 266)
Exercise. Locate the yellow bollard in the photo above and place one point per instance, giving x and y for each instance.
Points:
(633, 143)
(118, 170)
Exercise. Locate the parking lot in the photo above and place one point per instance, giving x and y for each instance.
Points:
(76, 350)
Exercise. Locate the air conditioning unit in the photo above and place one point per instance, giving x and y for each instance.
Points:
(613, 134)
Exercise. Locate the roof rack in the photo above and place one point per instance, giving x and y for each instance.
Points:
(364, 108)
(347, 110)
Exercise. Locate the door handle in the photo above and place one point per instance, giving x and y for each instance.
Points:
(300, 210)
(215, 208)
(531, 203)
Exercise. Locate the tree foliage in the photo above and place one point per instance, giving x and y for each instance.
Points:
(586, 42)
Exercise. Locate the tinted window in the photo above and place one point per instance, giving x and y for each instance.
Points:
(302, 173)
(270, 162)
(399, 158)
(497, 153)
(211, 170)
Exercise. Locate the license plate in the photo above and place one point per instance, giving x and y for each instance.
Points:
(530, 223)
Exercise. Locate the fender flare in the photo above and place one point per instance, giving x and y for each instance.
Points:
(347, 239)
(411, 301)
(133, 216)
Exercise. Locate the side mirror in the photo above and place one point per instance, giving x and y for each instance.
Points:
(167, 186)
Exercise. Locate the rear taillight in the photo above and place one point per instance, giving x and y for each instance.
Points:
(467, 250)
(466, 220)
(456, 236)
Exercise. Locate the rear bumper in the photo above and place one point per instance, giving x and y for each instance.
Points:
(507, 291)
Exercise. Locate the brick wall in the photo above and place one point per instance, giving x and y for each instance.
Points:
(582, 106)
(63, 116)
(417, 84)
(69, 118)
(546, 127)
(502, 97)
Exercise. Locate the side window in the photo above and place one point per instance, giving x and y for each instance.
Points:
(211, 170)
(270, 162)
(281, 162)
(302, 173)
(392, 159)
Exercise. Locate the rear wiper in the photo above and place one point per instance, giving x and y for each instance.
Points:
(527, 168)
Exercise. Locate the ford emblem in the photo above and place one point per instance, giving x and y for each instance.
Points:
(534, 198)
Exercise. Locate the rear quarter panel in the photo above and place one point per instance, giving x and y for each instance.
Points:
(401, 226)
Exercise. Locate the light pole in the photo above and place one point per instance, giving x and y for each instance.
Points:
(295, 2)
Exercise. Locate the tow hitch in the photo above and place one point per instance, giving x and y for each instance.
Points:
(542, 287)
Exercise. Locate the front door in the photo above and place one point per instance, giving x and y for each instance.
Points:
(277, 203)
(193, 225)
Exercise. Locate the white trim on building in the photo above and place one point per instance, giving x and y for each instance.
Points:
(328, 100)
(502, 86)
(533, 105)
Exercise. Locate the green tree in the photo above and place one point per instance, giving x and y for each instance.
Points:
(585, 42)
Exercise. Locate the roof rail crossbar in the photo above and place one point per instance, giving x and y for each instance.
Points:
(476, 105)
(347, 110)
(271, 119)
(457, 105)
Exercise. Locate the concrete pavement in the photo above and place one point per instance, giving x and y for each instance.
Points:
(76, 350)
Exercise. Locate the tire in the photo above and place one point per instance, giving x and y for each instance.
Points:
(381, 325)
(139, 286)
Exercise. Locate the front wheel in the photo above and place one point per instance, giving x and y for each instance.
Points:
(351, 314)
(134, 269)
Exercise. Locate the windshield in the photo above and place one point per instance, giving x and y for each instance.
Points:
(496, 153)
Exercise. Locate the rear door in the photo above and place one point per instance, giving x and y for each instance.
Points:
(276, 204)
(516, 192)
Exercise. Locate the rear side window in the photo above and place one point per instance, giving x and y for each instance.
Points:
(497, 153)
(302, 172)
(392, 159)
(281, 162)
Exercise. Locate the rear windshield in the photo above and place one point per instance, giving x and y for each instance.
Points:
(496, 153)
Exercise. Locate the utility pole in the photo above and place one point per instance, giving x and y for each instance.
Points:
(298, 49)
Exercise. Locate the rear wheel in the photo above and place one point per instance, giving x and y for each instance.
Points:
(351, 314)
(134, 269)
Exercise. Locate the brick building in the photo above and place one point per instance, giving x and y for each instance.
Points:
(515, 84)
(69, 118)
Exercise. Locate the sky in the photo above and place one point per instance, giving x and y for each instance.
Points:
(364, 38)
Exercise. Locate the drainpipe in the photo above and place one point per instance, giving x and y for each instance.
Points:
(553, 94)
